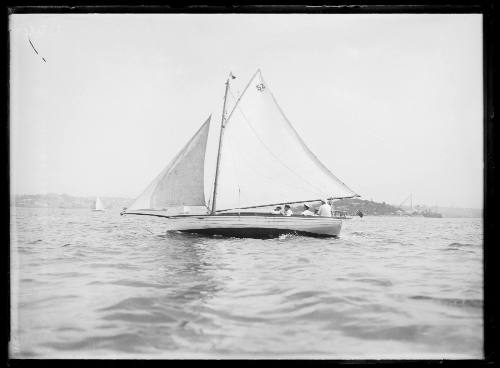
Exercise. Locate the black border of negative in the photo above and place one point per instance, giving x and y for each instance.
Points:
(491, 197)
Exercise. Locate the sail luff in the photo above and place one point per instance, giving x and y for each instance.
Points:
(221, 135)
(154, 183)
(181, 182)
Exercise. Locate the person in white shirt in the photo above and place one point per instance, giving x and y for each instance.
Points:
(306, 211)
(288, 211)
(277, 211)
(324, 210)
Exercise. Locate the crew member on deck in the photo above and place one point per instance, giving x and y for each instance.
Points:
(306, 211)
(324, 210)
(277, 211)
(332, 210)
(288, 211)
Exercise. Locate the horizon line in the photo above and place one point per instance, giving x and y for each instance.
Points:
(131, 198)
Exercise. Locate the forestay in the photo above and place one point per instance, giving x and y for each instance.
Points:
(263, 159)
(181, 183)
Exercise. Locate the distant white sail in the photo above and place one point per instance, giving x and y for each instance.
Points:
(99, 206)
(263, 159)
(181, 183)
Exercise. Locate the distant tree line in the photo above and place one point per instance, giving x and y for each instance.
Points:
(53, 200)
(351, 205)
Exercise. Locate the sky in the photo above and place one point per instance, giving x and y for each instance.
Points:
(392, 104)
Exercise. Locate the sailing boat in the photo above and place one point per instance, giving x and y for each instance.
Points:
(98, 206)
(261, 162)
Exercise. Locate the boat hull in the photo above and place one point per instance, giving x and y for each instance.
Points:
(256, 226)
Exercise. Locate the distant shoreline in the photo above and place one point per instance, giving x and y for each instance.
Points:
(53, 200)
(351, 206)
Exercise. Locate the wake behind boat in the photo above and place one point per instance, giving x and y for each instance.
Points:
(252, 174)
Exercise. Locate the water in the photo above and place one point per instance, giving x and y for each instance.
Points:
(97, 285)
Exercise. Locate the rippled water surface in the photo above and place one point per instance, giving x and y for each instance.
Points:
(97, 285)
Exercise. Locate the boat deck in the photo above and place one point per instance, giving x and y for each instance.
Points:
(341, 216)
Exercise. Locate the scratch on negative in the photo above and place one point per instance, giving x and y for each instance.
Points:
(31, 43)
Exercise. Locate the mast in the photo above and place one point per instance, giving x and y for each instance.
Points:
(214, 199)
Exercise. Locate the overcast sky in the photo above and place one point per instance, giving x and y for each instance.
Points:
(391, 104)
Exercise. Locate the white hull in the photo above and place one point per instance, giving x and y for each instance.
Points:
(255, 226)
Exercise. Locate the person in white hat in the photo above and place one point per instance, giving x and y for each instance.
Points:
(324, 210)
(306, 211)
(287, 211)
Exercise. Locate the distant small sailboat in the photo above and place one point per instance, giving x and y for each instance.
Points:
(98, 206)
(261, 162)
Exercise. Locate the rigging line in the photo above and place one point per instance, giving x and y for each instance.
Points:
(292, 185)
(211, 193)
(307, 185)
(209, 203)
(304, 185)
(235, 169)
(242, 94)
(277, 158)
(239, 160)
(301, 141)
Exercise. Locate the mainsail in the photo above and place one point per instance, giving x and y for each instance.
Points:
(181, 183)
(264, 161)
